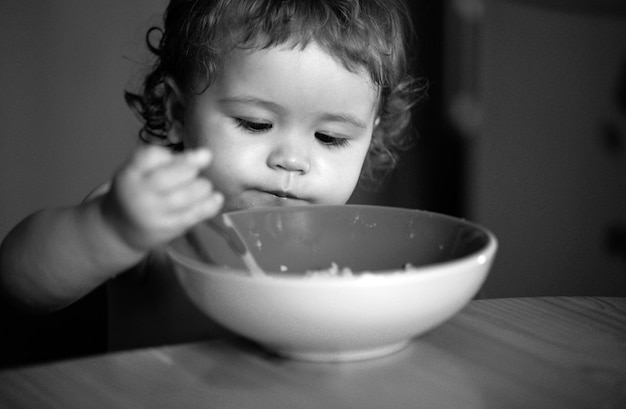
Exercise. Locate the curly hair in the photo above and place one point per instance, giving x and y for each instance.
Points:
(363, 34)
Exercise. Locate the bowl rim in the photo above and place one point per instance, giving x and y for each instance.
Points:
(484, 255)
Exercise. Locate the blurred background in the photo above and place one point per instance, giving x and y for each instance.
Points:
(524, 130)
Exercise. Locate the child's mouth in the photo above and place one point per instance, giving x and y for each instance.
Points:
(287, 199)
(280, 198)
(257, 198)
(283, 195)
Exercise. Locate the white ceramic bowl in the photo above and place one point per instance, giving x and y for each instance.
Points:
(373, 312)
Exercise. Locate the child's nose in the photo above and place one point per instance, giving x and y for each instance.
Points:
(290, 156)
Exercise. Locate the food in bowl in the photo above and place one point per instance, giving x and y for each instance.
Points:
(398, 274)
(344, 272)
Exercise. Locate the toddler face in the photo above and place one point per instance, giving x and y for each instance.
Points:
(286, 127)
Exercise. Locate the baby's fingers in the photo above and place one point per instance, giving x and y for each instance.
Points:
(190, 206)
(181, 169)
(184, 196)
(200, 210)
(149, 158)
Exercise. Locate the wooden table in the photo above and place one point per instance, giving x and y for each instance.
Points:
(556, 352)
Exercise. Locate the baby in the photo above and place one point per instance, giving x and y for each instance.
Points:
(250, 103)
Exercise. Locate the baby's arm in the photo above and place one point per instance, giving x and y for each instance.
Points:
(56, 256)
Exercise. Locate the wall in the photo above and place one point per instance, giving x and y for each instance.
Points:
(547, 144)
(65, 127)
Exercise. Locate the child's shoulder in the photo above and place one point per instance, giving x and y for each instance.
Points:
(98, 191)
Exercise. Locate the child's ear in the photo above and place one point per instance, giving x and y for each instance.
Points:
(175, 110)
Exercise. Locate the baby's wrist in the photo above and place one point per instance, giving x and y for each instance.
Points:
(117, 234)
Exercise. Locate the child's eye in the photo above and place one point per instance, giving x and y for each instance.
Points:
(331, 140)
(252, 126)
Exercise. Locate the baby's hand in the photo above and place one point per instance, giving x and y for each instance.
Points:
(158, 195)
